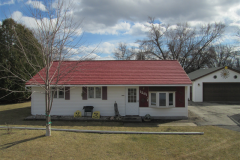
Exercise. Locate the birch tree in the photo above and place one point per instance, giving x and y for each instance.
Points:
(58, 40)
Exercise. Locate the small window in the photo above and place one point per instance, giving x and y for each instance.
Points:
(58, 92)
(61, 93)
(54, 92)
(90, 92)
(153, 99)
(235, 77)
(132, 95)
(170, 99)
(162, 99)
(94, 92)
(98, 92)
(215, 77)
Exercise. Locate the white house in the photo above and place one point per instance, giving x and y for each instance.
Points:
(215, 84)
(158, 88)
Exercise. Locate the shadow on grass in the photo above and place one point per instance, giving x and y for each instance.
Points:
(16, 117)
(8, 145)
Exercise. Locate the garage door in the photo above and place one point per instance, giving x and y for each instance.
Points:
(221, 91)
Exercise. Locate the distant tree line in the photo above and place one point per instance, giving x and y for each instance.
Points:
(194, 48)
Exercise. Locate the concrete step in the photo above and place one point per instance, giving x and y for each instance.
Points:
(131, 119)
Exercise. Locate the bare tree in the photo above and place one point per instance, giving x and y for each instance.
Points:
(123, 52)
(56, 32)
(155, 44)
(224, 56)
(184, 43)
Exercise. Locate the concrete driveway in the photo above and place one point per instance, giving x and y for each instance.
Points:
(219, 114)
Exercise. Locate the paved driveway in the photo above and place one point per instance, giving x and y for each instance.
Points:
(220, 114)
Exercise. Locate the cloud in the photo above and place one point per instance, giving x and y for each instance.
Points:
(105, 58)
(28, 21)
(6, 2)
(94, 56)
(105, 47)
(130, 16)
(108, 13)
(34, 23)
(37, 5)
(103, 29)
(138, 29)
(101, 51)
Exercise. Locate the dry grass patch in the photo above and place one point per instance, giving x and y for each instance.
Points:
(216, 143)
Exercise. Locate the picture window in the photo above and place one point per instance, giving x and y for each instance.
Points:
(162, 99)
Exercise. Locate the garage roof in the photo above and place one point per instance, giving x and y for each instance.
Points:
(158, 72)
(203, 72)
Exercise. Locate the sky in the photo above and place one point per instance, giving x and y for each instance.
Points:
(105, 23)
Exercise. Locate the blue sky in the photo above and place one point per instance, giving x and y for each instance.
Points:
(108, 22)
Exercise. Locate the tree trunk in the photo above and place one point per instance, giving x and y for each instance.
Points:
(48, 125)
(48, 109)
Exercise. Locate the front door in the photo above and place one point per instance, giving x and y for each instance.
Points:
(132, 101)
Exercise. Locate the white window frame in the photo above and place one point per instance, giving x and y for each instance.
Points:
(157, 100)
(94, 96)
(57, 91)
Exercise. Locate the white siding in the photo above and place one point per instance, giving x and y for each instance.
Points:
(68, 107)
(189, 92)
(197, 93)
(106, 107)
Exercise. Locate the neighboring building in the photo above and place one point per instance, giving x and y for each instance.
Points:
(215, 84)
(158, 88)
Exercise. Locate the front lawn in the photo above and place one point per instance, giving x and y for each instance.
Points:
(216, 143)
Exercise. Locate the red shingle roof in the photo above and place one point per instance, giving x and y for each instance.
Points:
(116, 73)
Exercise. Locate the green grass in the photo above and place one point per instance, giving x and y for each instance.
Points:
(216, 143)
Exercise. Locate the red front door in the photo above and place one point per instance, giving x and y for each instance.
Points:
(143, 96)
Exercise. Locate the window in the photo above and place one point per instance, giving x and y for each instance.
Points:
(132, 95)
(170, 99)
(94, 92)
(162, 99)
(54, 92)
(90, 92)
(153, 99)
(98, 92)
(58, 92)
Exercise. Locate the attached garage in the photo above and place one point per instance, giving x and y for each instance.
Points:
(215, 84)
(221, 91)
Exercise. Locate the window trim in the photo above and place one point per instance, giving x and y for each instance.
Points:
(57, 91)
(167, 99)
(94, 92)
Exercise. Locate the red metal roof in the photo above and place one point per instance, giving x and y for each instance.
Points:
(116, 73)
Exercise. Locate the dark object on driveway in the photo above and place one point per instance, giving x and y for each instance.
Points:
(88, 109)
